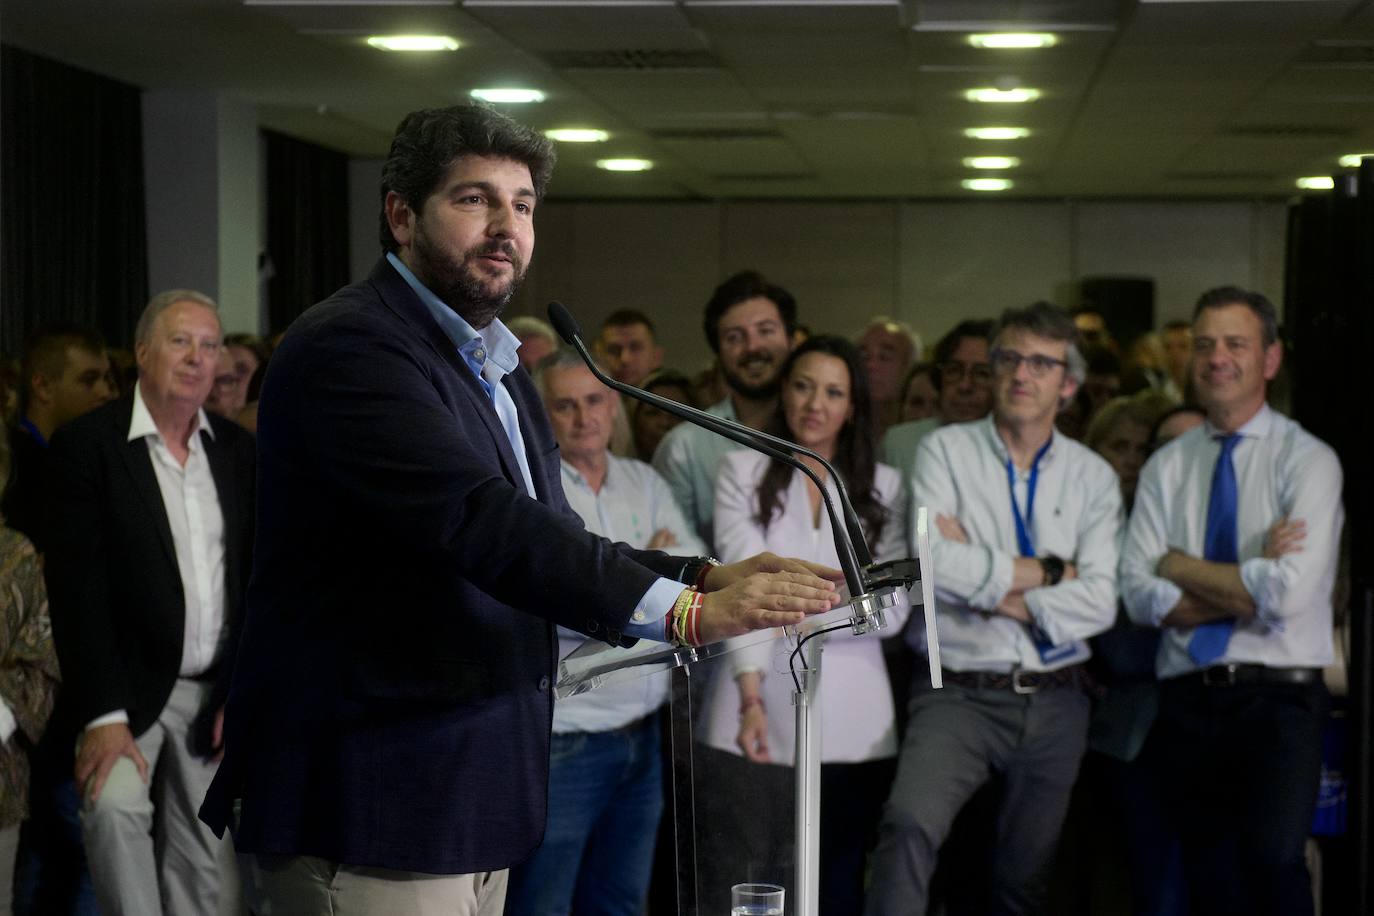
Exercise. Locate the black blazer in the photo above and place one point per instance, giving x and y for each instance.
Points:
(114, 588)
(392, 698)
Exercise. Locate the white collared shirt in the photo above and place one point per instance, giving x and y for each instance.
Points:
(633, 503)
(961, 471)
(193, 512)
(1281, 471)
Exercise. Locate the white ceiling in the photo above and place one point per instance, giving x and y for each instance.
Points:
(787, 98)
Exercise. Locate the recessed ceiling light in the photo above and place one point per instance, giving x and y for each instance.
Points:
(624, 165)
(508, 96)
(987, 184)
(992, 162)
(1317, 183)
(993, 94)
(1353, 160)
(1013, 40)
(577, 135)
(413, 42)
(996, 133)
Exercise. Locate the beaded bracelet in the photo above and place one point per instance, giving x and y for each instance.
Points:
(685, 618)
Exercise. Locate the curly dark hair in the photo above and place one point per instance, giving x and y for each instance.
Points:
(854, 452)
(747, 284)
(428, 141)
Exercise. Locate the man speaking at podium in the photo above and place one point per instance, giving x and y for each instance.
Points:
(387, 736)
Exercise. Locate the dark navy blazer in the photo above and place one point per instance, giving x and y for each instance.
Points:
(392, 699)
(115, 592)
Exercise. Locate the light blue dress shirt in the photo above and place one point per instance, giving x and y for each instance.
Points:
(1282, 471)
(689, 459)
(961, 471)
(492, 354)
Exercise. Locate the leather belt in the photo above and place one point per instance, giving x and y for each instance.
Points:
(1019, 681)
(1231, 675)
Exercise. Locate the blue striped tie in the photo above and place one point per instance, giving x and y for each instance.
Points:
(1209, 640)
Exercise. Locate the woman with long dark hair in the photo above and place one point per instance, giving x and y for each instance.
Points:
(763, 504)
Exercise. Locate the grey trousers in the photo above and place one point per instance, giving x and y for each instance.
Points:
(184, 869)
(311, 886)
(957, 738)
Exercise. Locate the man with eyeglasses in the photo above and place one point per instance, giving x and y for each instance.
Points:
(1026, 552)
(963, 382)
(1237, 744)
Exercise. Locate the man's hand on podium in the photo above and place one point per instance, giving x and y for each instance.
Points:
(764, 591)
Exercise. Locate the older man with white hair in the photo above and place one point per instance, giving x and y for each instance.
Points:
(151, 521)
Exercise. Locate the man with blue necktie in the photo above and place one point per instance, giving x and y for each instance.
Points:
(1237, 744)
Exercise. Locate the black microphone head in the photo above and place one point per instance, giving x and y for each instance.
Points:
(563, 322)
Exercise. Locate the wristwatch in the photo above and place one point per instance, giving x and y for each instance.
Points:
(694, 570)
(1052, 570)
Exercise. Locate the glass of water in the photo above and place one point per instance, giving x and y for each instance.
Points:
(756, 900)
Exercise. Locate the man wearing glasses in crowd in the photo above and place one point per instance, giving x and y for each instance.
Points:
(963, 380)
(1026, 547)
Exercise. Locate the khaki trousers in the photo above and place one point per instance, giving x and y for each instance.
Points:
(311, 886)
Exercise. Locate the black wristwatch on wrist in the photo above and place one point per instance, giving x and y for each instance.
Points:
(693, 569)
(1051, 570)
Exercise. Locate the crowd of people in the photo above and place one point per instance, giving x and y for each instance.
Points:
(1134, 551)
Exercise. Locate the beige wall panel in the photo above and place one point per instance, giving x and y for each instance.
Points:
(971, 260)
(838, 259)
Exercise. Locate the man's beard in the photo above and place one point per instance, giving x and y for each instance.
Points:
(460, 286)
(751, 391)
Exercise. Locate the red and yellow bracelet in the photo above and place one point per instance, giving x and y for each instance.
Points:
(684, 620)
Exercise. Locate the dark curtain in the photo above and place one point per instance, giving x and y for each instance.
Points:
(1329, 311)
(307, 226)
(73, 246)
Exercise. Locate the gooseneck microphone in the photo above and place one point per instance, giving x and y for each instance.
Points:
(850, 544)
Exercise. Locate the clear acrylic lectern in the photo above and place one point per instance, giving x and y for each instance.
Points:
(736, 821)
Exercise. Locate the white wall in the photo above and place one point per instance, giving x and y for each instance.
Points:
(930, 263)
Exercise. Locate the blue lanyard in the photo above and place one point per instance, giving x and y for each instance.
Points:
(27, 426)
(1024, 524)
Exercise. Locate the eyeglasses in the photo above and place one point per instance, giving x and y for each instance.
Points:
(954, 371)
(1006, 362)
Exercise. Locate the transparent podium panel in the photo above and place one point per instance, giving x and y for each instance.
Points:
(735, 817)
(749, 818)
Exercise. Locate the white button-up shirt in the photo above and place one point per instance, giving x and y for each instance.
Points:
(193, 512)
(633, 503)
(961, 471)
(1281, 471)
(197, 523)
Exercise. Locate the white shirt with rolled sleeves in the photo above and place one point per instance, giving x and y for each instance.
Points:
(961, 471)
(634, 502)
(1282, 471)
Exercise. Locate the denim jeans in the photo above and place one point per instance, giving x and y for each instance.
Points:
(605, 801)
(51, 876)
